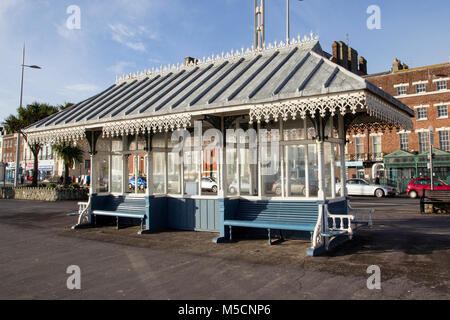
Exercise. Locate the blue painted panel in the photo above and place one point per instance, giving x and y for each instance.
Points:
(338, 207)
(157, 213)
(193, 214)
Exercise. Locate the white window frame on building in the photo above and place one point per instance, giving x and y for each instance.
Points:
(377, 146)
(404, 140)
(422, 113)
(444, 139)
(421, 86)
(402, 90)
(442, 110)
(424, 140)
(441, 84)
(359, 146)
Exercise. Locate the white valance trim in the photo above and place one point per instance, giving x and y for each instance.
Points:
(56, 136)
(340, 103)
(155, 124)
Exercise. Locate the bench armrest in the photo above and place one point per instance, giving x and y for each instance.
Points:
(341, 226)
(361, 214)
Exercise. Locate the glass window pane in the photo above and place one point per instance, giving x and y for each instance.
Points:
(130, 180)
(249, 172)
(232, 171)
(158, 173)
(313, 170)
(296, 182)
(294, 130)
(174, 174)
(117, 173)
(190, 163)
(101, 174)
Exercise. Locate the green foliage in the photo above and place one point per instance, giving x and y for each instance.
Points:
(68, 153)
(51, 186)
(28, 115)
(74, 186)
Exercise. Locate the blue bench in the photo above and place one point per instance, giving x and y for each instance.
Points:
(122, 207)
(274, 215)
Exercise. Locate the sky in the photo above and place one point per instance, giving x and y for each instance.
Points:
(123, 36)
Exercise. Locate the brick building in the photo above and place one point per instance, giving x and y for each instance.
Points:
(425, 90)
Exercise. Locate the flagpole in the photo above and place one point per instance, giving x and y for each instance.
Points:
(287, 22)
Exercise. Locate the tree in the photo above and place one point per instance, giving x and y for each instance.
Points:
(27, 116)
(70, 155)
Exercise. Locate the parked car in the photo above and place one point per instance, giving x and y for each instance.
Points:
(297, 187)
(245, 186)
(210, 184)
(416, 187)
(360, 187)
(142, 183)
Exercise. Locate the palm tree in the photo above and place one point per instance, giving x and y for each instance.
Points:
(32, 113)
(70, 155)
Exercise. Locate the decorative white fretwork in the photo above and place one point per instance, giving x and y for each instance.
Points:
(56, 136)
(155, 124)
(215, 58)
(340, 103)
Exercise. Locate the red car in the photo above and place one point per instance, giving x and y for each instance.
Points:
(416, 187)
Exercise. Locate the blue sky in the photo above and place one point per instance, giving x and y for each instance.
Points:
(119, 36)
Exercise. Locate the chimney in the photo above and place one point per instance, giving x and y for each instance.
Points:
(189, 60)
(335, 48)
(362, 66)
(352, 60)
(396, 66)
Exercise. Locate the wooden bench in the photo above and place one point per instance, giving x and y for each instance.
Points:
(434, 197)
(341, 218)
(123, 207)
(274, 215)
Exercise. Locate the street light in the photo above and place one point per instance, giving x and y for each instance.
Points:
(16, 176)
(431, 156)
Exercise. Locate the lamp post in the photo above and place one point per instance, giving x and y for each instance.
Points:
(16, 176)
(431, 156)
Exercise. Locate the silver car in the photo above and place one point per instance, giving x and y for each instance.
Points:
(360, 187)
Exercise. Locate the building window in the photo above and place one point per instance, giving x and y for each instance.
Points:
(424, 142)
(444, 143)
(404, 141)
(359, 148)
(441, 85)
(401, 91)
(377, 148)
(421, 87)
(422, 114)
(442, 112)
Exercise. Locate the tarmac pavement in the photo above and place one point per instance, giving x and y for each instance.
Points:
(37, 245)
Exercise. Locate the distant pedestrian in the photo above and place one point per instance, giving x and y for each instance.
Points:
(377, 180)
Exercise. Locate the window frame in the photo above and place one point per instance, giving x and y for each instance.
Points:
(443, 106)
(421, 87)
(402, 141)
(402, 90)
(419, 111)
(444, 85)
(444, 144)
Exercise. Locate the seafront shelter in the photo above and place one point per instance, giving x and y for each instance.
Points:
(248, 139)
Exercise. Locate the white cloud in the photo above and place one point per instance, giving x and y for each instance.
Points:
(131, 37)
(121, 66)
